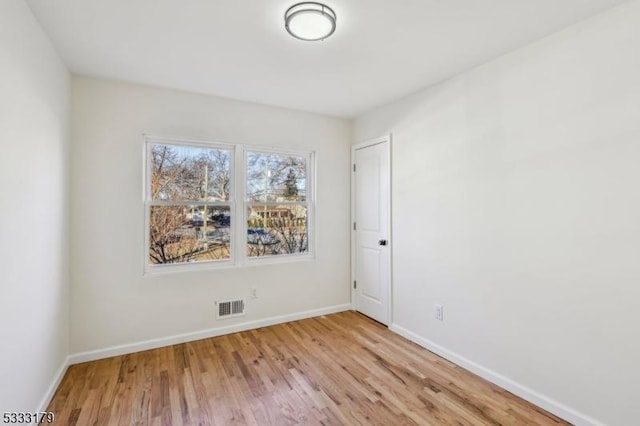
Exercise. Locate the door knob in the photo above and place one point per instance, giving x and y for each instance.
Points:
(382, 242)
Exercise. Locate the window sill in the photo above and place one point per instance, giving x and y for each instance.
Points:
(216, 265)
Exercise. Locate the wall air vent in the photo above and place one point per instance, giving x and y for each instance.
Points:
(230, 308)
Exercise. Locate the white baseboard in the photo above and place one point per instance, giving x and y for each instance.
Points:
(198, 335)
(523, 392)
(51, 390)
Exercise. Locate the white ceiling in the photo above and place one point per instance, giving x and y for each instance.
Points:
(381, 50)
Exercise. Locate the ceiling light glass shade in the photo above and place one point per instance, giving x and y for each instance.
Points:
(310, 21)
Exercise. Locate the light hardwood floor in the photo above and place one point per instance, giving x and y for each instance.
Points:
(336, 369)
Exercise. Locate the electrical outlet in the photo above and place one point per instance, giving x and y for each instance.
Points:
(439, 312)
(254, 293)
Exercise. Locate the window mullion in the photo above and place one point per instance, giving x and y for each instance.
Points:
(240, 228)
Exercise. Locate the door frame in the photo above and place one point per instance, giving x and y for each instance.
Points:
(380, 140)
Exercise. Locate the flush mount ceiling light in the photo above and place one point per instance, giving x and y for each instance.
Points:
(310, 21)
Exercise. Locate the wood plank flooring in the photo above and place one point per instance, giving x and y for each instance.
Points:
(340, 369)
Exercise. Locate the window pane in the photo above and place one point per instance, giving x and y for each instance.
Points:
(196, 233)
(276, 177)
(276, 230)
(182, 173)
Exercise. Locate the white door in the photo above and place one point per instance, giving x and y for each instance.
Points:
(371, 239)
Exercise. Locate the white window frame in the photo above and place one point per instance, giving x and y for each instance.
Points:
(238, 203)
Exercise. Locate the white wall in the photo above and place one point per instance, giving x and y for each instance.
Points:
(112, 302)
(516, 205)
(34, 86)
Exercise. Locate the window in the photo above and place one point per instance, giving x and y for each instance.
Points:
(188, 199)
(277, 205)
(197, 214)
